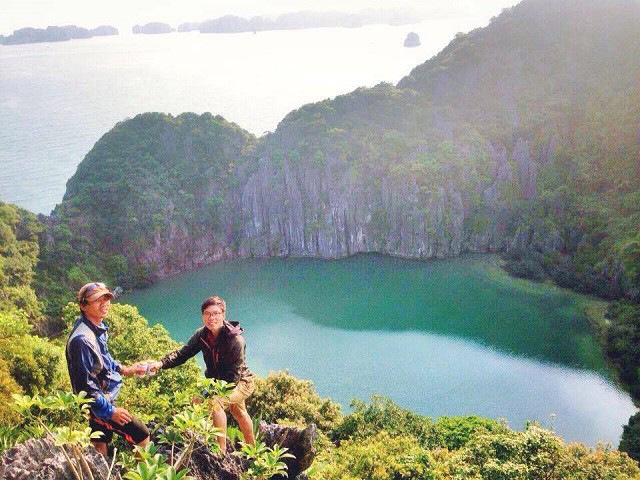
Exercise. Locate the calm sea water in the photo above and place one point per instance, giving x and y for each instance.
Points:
(452, 337)
(58, 99)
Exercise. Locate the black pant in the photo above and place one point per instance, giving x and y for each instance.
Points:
(133, 432)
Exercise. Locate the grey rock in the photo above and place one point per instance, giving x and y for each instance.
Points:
(527, 169)
(299, 443)
(104, 30)
(40, 459)
(188, 27)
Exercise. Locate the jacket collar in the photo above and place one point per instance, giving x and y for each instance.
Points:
(229, 329)
(97, 329)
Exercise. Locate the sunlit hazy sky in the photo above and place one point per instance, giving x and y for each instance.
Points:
(125, 13)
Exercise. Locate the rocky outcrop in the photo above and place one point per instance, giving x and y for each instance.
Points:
(527, 169)
(292, 208)
(226, 24)
(412, 40)
(40, 459)
(299, 443)
(54, 34)
(308, 19)
(206, 465)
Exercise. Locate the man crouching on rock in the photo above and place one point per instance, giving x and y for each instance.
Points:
(93, 370)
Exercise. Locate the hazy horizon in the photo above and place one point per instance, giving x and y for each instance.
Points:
(118, 13)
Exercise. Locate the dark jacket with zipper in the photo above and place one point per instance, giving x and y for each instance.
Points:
(224, 358)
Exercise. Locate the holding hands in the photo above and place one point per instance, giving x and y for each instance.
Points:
(140, 369)
(153, 367)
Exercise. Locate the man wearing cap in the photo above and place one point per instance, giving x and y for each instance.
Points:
(92, 369)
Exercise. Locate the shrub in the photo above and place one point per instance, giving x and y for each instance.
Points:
(36, 364)
(630, 441)
(381, 457)
(455, 432)
(282, 398)
(537, 453)
(382, 414)
(8, 386)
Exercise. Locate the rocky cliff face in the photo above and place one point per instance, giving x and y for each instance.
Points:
(295, 208)
(292, 208)
(40, 459)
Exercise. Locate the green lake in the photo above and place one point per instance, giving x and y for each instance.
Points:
(441, 337)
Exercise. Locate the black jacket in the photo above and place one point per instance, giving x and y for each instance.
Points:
(225, 359)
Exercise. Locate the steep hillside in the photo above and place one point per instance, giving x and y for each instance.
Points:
(19, 251)
(154, 196)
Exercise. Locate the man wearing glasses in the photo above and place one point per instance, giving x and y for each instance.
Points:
(92, 369)
(223, 351)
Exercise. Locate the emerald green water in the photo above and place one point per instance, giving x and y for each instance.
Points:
(446, 337)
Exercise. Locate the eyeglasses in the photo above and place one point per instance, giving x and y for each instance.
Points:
(208, 315)
(91, 288)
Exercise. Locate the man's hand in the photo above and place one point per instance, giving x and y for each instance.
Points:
(121, 416)
(137, 368)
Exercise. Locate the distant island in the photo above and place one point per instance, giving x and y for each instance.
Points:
(55, 34)
(153, 28)
(412, 40)
(188, 27)
(225, 24)
(301, 20)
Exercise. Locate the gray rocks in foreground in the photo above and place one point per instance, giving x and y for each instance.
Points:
(298, 441)
(207, 465)
(39, 459)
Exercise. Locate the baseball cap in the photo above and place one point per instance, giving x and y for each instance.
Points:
(92, 291)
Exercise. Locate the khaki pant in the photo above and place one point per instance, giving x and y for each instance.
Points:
(237, 397)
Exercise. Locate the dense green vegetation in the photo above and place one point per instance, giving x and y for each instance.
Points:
(19, 251)
(28, 363)
(630, 441)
